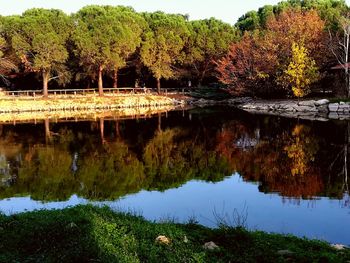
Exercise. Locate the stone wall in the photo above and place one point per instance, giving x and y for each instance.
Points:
(313, 109)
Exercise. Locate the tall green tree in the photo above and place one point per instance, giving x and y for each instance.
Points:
(163, 45)
(128, 38)
(6, 64)
(39, 39)
(209, 41)
(105, 37)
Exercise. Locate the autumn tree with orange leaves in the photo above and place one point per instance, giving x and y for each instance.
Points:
(261, 56)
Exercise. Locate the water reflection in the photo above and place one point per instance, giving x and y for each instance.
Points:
(108, 159)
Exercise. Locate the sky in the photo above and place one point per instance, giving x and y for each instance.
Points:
(227, 10)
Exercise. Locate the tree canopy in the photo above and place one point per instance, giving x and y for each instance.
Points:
(163, 45)
(114, 45)
(39, 37)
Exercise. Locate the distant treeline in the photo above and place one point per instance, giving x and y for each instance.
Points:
(278, 50)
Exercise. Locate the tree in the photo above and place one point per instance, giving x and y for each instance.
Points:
(129, 38)
(301, 71)
(105, 37)
(95, 34)
(249, 21)
(39, 39)
(259, 59)
(163, 44)
(6, 64)
(250, 61)
(340, 47)
(209, 41)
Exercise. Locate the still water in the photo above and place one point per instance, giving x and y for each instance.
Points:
(276, 174)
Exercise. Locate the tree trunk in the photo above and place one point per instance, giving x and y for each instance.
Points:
(100, 81)
(47, 130)
(102, 129)
(115, 79)
(117, 130)
(46, 76)
(347, 82)
(159, 122)
(158, 85)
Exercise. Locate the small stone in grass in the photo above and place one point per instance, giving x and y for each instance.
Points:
(210, 246)
(163, 240)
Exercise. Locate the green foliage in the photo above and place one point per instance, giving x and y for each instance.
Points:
(249, 21)
(209, 41)
(106, 36)
(39, 39)
(329, 10)
(163, 44)
(301, 71)
(86, 233)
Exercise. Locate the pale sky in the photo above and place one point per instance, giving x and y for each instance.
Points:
(226, 10)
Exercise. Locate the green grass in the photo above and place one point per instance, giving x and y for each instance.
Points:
(91, 234)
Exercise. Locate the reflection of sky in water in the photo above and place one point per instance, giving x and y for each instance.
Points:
(322, 218)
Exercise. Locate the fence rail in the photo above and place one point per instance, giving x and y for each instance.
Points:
(84, 92)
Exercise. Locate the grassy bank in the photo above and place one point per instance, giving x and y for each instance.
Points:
(64, 115)
(90, 234)
(73, 103)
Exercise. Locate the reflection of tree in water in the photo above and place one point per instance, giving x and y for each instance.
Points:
(109, 172)
(79, 162)
(45, 174)
(282, 164)
(301, 149)
(172, 157)
(338, 170)
(10, 159)
(103, 161)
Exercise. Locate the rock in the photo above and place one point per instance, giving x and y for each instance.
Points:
(262, 107)
(285, 252)
(323, 108)
(241, 100)
(333, 115)
(310, 103)
(210, 246)
(306, 109)
(344, 107)
(163, 240)
(342, 103)
(321, 102)
(72, 225)
(333, 107)
(338, 246)
(185, 239)
(204, 102)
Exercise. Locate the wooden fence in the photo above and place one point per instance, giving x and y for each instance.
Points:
(89, 92)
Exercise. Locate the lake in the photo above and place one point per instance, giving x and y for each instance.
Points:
(207, 165)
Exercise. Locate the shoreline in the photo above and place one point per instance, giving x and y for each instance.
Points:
(142, 105)
(92, 103)
(322, 110)
(75, 115)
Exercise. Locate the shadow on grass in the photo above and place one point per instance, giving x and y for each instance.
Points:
(92, 234)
